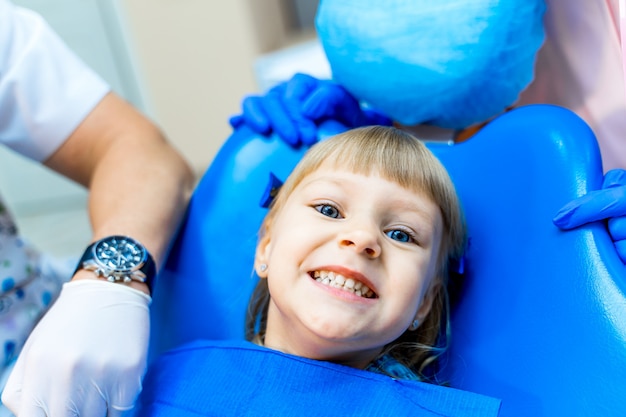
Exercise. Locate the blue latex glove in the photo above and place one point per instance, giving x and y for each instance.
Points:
(294, 108)
(608, 203)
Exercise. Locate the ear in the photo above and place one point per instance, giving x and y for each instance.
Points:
(427, 301)
(262, 255)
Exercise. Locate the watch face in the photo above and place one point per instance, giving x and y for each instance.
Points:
(120, 253)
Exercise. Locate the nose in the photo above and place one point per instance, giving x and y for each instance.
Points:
(363, 240)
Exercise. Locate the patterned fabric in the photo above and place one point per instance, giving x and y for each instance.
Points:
(28, 285)
(388, 365)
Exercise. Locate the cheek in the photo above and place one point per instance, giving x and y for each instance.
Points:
(429, 264)
(286, 249)
(416, 279)
(296, 235)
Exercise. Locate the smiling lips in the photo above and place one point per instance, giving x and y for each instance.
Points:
(336, 280)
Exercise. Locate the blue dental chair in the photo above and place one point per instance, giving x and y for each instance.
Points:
(541, 319)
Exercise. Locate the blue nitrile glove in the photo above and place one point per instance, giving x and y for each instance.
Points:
(293, 109)
(607, 203)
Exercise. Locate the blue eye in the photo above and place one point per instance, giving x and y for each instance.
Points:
(399, 235)
(328, 210)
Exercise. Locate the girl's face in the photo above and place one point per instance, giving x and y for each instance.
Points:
(351, 259)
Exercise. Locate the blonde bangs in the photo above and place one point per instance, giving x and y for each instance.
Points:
(396, 156)
(393, 154)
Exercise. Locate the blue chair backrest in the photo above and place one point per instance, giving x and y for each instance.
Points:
(541, 321)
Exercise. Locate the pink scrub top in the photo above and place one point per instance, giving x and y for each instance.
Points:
(581, 66)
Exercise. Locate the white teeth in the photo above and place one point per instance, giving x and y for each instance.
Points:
(336, 280)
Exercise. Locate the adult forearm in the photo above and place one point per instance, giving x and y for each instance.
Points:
(139, 185)
(140, 190)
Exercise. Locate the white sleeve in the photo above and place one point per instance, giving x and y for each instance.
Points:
(45, 89)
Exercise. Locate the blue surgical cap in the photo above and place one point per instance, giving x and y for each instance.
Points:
(449, 63)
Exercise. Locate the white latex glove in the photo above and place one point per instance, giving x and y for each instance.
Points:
(87, 355)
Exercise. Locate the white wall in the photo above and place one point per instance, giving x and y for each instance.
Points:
(186, 63)
(196, 59)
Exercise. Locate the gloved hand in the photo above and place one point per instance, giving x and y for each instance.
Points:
(607, 203)
(293, 109)
(87, 356)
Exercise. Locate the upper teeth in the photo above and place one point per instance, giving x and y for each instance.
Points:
(339, 281)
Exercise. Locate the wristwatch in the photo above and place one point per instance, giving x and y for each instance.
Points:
(119, 259)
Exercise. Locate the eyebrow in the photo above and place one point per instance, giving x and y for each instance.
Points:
(424, 215)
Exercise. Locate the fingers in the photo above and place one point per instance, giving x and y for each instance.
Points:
(266, 114)
(614, 178)
(308, 131)
(65, 373)
(124, 393)
(34, 411)
(254, 114)
(295, 92)
(332, 100)
(596, 205)
(299, 87)
(23, 403)
(606, 204)
(92, 404)
(292, 110)
(86, 400)
(236, 121)
(617, 230)
(620, 246)
(280, 119)
(12, 393)
(118, 410)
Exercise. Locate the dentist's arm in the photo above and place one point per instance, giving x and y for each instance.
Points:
(88, 353)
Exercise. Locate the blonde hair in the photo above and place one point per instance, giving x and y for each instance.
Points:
(399, 157)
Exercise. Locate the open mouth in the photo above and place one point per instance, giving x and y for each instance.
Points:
(338, 281)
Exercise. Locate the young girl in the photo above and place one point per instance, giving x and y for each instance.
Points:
(353, 258)
(354, 255)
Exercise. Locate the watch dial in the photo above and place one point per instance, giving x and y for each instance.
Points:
(120, 253)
